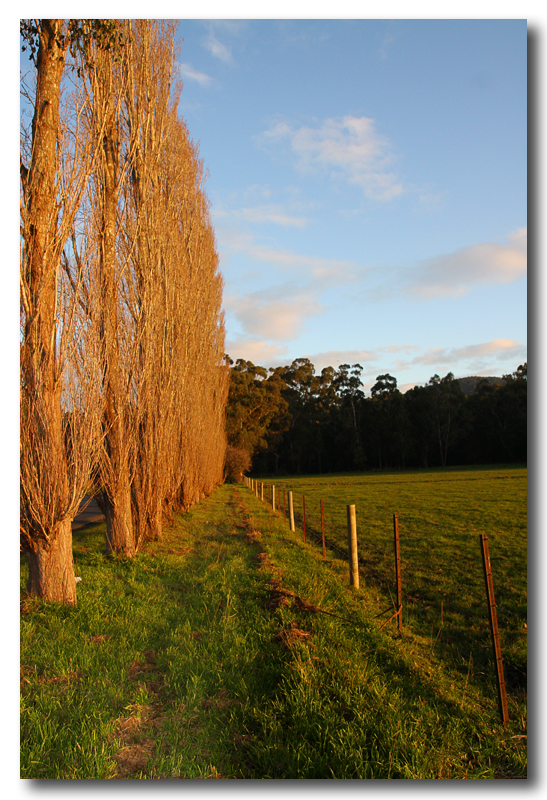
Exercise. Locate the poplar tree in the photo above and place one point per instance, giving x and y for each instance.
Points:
(59, 398)
(122, 331)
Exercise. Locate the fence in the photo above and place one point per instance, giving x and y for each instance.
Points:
(352, 557)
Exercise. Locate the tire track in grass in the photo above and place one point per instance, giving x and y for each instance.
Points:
(220, 592)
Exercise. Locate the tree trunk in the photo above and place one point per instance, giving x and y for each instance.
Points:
(120, 536)
(154, 526)
(119, 523)
(51, 569)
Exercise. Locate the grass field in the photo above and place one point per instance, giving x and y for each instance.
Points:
(441, 514)
(231, 649)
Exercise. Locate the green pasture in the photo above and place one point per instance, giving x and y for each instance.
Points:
(232, 649)
(441, 514)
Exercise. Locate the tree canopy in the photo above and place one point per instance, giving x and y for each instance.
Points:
(291, 420)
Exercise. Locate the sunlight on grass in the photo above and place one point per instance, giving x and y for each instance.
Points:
(232, 649)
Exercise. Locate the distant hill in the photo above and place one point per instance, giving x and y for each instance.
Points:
(469, 384)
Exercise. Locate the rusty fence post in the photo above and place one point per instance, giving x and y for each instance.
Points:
(323, 530)
(291, 512)
(398, 573)
(493, 618)
(352, 547)
(304, 515)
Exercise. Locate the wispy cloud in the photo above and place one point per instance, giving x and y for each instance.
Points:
(188, 71)
(326, 270)
(500, 349)
(333, 358)
(260, 205)
(386, 42)
(456, 274)
(222, 28)
(278, 313)
(258, 351)
(264, 214)
(382, 355)
(494, 357)
(350, 148)
(218, 49)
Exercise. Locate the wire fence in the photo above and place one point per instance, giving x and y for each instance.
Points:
(292, 508)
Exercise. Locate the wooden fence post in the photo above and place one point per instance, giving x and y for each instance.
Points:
(273, 498)
(352, 547)
(262, 491)
(291, 512)
(398, 573)
(493, 618)
(323, 530)
(304, 515)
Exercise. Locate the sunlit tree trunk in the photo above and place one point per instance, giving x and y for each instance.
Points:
(59, 386)
(41, 387)
(115, 466)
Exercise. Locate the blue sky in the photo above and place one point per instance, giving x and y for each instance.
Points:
(367, 181)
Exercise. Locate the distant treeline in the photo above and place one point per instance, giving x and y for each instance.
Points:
(290, 420)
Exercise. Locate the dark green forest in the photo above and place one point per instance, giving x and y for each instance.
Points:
(289, 420)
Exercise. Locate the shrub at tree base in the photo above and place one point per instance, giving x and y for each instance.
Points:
(236, 463)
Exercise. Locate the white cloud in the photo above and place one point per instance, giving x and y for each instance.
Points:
(456, 274)
(223, 28)
(258, 205)
(519, 239)
(218, 50)
(258, 351)
(277, 313)
(271, 213)
(499, 348)
(495, 357)
(333, 358)
(349, 147)
(323, 270)
(188, 71)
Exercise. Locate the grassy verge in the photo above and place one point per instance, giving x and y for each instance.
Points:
(232, 650)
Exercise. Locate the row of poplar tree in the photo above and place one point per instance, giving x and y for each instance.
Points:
(123, 384)
(291, 420)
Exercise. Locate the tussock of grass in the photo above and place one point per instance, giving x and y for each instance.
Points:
(232, 650)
